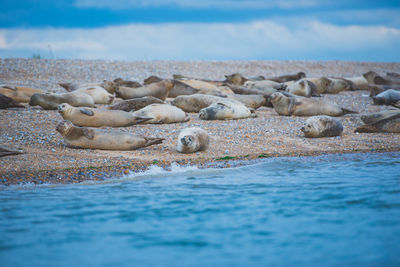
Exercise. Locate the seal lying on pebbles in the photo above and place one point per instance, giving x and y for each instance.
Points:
(301, 106)
(6, 102)
(99, 94)
(18, 93)
(162, 113)
(181, 88)
(136, 103)
(250, 101)
(93, 117)
(107, 85)
(152, 79)
(126, 83)
(192, 139)
(83, 137)
(388, 97)
(224, 110)
(387, 121)
(158, 89)
(303, 88)
(264, 85)
(50, 101)
(322, 126)
(338, 85)
(194, 103)
(287, 78)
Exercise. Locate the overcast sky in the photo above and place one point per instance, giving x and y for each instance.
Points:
(201, 30)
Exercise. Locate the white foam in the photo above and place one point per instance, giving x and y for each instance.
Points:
(155, 171)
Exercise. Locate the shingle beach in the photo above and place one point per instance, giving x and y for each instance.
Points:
(48, 160)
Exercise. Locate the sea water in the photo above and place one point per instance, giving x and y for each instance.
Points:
(311, 211)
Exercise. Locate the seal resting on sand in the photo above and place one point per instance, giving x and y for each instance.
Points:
(136, 103)
(50, 101)
(84, 137)
(302, 106)
(192, 139)
(18, 93)
(7, 102)
(225, 109)
(93, 117)
(387, 121)
(388, 97)
(162, 113)
(322, 126)
(158, 89)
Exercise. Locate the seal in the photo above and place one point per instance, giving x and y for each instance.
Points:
(136, 103)
(235, 78)
(162, 113)
(51, 101)
(152, 79)
(85, 137)
(338, 85)
(301, 106)
(126, 83)
(7, 102)
(250, 101)
(287, 78)
(387, 121)
(99, 94)
(388, 97)
(18, 93)
(322, 126)
(359, 82)
(92, 117)
(158, 89)
(265, 85)
(321, 83)
(191, 140)
(107, 85)
(225, 110)
(194, 103)
(181, 88)
(303, 87)
(375, 78)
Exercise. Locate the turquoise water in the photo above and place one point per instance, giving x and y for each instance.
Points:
(325, 211)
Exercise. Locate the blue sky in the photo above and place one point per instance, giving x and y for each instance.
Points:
(201, 30)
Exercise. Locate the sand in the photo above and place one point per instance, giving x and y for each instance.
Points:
(48, 160)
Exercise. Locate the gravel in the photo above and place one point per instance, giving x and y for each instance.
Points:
(49, 160)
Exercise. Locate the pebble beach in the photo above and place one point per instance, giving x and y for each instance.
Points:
(46, 158)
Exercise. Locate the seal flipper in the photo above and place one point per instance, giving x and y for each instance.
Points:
(86, 111)
(88, 133)
(348, 111)
(153, 141)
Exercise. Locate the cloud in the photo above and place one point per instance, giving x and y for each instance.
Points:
(223, 4)
(255, 40)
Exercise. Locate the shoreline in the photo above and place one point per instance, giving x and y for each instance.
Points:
(47, 158)
(103, 173)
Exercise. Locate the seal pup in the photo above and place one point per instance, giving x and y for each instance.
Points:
(287, 78)
(162, 113)
(303, 88)
(302, 106)
(194, 103)
(92, 138)
(191, 140)
(158, 89)
(51, 101)
(99, 94)
(7, 102)
(388, 97)
(387, 121)
(322, 126)
(136, 103)
(92, 117)
(18, 93)
(225, 110)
